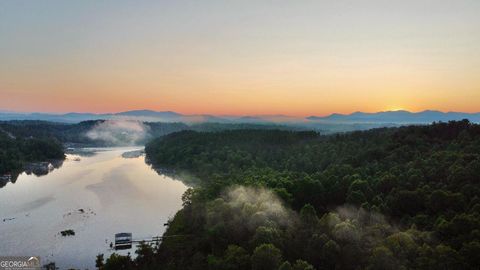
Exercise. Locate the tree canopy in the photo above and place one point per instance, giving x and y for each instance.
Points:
(392, 198)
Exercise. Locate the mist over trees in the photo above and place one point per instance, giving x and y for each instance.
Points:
(403, 198)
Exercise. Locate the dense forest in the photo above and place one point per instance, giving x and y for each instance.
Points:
(396, 198)
(16, 151)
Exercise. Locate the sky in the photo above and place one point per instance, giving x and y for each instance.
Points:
(240, 57)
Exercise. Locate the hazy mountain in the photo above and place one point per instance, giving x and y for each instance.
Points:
(144, 115)
(366, 119)
(150, 113)
(64, 118)
(397, 117)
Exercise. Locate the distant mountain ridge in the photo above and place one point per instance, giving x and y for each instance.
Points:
(401, 117)
(398, 117)
(150, 113)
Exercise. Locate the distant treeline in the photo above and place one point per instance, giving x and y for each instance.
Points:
(76, 134)
(398, 198)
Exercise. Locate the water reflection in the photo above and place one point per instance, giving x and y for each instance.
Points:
(42, 168)
(95, 196)
(180, 175)
(36, 168)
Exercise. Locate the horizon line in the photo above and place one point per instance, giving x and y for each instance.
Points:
(233, 115)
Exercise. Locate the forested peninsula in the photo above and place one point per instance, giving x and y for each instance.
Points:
(393, 198)
(17, 151)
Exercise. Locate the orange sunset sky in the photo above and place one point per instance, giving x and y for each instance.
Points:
(240, 57)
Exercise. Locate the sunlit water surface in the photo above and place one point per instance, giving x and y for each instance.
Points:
(116, 194)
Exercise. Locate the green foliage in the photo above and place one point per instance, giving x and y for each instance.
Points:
(285, 266)
(235, 258)
(267, 235)
(302, 265)
(266, 257)
(99, 262)
(308, 215)
(118, 262)
(145, 256)
(402, 198)
(15, 152)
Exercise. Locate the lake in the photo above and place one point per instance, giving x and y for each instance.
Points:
(96, 196)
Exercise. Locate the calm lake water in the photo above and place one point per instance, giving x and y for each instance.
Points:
(116, 194)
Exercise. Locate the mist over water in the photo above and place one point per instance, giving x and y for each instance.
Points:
(119, 132)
